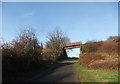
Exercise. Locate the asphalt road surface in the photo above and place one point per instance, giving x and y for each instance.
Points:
(62, 72)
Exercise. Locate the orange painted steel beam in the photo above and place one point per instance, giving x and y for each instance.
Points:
(71, 47)
(73, 44)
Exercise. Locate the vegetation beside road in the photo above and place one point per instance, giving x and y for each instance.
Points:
(90, 75)
(26, 54)
(99, 61)
(24, 76)
(100, 55)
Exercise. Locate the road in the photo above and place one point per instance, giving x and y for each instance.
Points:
(62, 72)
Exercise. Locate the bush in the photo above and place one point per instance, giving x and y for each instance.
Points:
(114, 38)
(90, 47)
(21, 55)
(90, 58)
(109, 47)
(102, 56)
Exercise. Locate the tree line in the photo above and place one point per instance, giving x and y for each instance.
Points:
(25, 52)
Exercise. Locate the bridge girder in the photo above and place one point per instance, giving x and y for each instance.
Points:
(72, 45)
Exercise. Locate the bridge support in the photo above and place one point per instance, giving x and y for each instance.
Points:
(63, 55)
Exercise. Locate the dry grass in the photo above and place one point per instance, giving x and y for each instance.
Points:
(89, 58)
(105, 58)
(109, 47)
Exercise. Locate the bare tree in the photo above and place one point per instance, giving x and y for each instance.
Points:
(26, 46)
(56, 40)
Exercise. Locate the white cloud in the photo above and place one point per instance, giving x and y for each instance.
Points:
(28, 14)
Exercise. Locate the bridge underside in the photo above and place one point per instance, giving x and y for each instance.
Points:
(71, 47)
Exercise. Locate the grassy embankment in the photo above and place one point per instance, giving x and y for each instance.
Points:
(90, 75)
(99, 62)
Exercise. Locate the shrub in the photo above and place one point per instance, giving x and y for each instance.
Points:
(90, 58)
(114, 38)
(91, 47)
(109, 47)
(104, 55)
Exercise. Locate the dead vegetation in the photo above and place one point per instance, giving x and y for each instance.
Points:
(104, 56)
(25, 53)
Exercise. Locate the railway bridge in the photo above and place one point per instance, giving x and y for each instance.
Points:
(72, 46)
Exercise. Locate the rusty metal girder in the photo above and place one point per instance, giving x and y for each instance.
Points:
(72, 45)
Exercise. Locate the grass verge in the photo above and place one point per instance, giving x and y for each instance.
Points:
(89, 75)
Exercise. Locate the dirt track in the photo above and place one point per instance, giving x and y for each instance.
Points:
(61, 72)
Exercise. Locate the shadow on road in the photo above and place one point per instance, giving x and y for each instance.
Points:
(61, 72)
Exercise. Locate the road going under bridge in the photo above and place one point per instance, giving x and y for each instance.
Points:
(63, 71)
